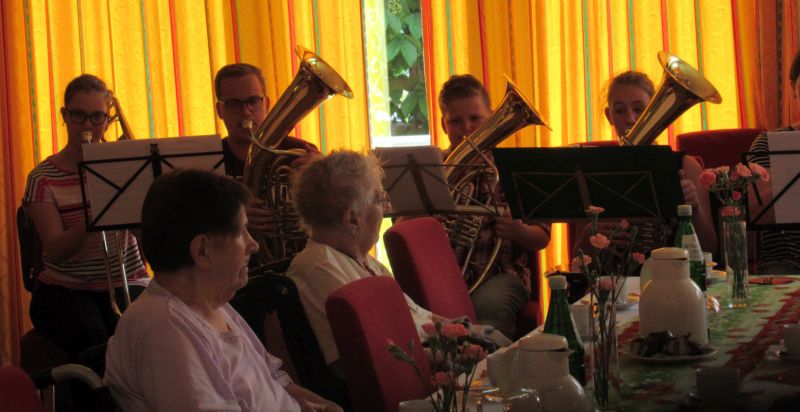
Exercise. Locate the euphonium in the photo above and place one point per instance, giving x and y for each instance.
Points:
(512, 114)
(267, 169)
(681, 88)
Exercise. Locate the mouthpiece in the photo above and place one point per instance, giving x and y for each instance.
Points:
(86, 136)
(247, 124)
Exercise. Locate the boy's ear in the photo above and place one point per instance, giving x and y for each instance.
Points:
(607, 112)
(444, 123)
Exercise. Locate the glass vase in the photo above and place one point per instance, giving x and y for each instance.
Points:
(605, 356)
(735, 242)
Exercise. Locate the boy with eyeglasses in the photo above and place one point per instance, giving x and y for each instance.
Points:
(241, 98)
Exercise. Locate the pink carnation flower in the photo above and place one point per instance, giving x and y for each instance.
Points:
(637, 257)
(600, 241)
(575, 265)
(759, 170)
(736, 195)
(454, 330)
(743, 171)
(707, 178)
(730, 211)
(595, 209)
(429, 328)
(722, 170)
(474, 352)
(624, 224)
(441, 378)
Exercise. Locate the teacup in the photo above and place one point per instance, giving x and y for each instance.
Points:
(718, 385)
(791, 339)
(416, 405)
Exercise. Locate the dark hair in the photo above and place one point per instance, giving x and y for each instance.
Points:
(185, 203)
(631, 78)
(794, 72)
(462, 86)
(84, 83)
(237, 70)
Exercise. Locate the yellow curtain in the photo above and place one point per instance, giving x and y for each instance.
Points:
(160, 57)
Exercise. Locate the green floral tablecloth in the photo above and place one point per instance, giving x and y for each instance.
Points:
(741, 337)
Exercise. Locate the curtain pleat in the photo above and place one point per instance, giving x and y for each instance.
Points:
(160, 58)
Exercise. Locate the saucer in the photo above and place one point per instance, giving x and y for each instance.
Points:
(663, 359)
(780, 352)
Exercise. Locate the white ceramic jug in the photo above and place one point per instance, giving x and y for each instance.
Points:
(670, 300)
(540, 366)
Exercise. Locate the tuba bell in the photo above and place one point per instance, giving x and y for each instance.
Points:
(464, 178)
(681, 88)
(267, 169)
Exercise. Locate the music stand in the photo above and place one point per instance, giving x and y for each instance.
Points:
(638, 183)
(781, 213)
(115, 176)
(415, 180)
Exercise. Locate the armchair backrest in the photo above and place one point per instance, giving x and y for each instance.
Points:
(30, 249)
(425, 266)
(722, 147)
(365, 316)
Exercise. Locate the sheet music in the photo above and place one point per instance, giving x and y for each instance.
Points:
(783, 168)
(110, 167)
(403, 189)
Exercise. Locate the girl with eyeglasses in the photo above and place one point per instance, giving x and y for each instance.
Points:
(70, 304)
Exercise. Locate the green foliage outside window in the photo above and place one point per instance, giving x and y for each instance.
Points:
(409, 109)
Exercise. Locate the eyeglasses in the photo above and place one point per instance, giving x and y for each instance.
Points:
(235, 105)
(79, 117)
(383, 200)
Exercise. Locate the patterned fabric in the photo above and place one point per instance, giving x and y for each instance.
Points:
(777, 247)
(86, 268)
(741, 337)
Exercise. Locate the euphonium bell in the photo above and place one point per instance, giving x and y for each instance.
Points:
(681, 88)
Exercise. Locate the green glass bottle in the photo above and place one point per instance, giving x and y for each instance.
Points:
(559, 322)
(686, 238)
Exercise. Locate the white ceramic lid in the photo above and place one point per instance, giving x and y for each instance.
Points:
(669, 253)
(543, 342)
(557, 282)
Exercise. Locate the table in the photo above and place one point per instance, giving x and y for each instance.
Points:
(742, 337)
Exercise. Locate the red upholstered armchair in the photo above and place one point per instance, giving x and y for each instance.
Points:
(425, 267)
(364, 315)
(723, 147)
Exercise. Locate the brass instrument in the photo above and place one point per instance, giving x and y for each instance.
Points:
(267, 169)
(681, 88)
(122, 244)
(513, 113)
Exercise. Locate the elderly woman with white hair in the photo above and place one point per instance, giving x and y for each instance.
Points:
(341, 202)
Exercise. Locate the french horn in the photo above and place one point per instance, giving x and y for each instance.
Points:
(267, 170)
(681, 87)
(464, 173)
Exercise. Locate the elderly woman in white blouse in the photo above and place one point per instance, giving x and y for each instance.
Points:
(181, 346)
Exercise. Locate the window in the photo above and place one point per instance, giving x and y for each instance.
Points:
(398, 109)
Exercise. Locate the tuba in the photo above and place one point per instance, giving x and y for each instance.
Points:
(681, 88)
(267, 169)
(464, 177)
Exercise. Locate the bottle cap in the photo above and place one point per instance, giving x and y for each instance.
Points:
(684, 210)
(557, 282)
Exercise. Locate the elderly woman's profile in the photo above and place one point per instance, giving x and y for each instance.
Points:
(181, 346)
